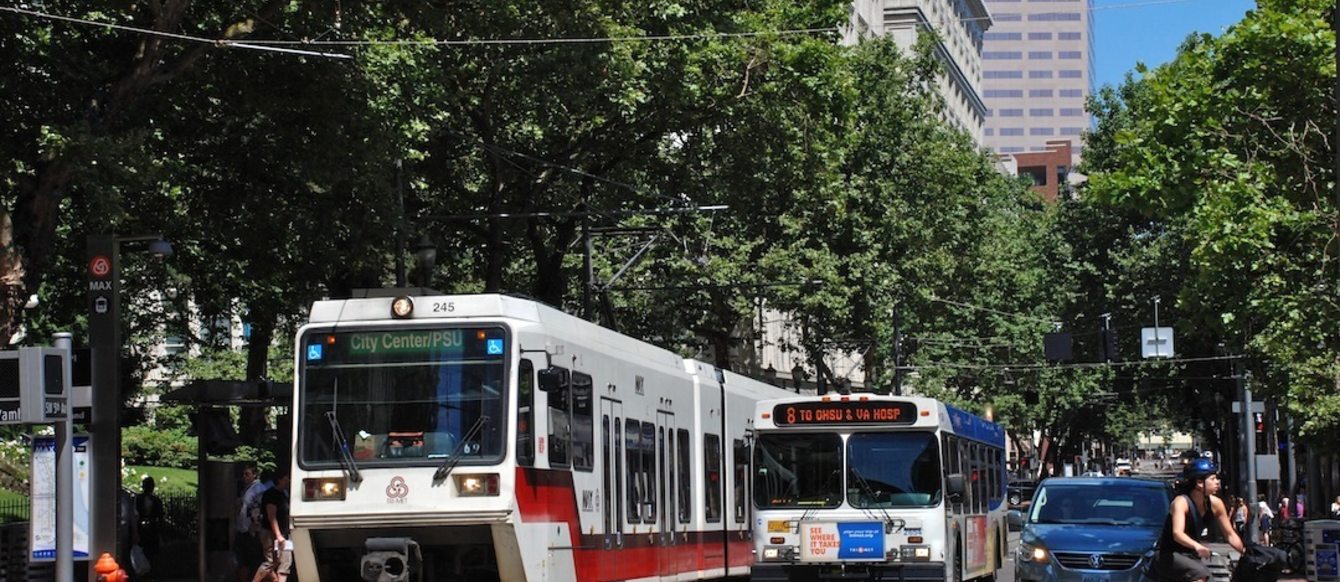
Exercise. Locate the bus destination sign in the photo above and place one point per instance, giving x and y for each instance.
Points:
(844, 412)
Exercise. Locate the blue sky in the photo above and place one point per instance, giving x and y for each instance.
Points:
(1129, 31)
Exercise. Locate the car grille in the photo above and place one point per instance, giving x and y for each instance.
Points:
(1084, 561)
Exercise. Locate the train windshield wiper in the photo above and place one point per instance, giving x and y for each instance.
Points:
(342, 447)
(454, 458)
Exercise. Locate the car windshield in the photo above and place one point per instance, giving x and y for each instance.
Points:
(893, 469)
(403, 397)
(798, 470)
(1105, 504)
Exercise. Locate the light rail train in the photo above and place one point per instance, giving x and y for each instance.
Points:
(482, 437)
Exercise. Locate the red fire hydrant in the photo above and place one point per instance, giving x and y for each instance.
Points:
(108, 570)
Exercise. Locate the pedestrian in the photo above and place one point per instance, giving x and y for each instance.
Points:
(1335, 507)
(1240, 516)
(1266, 516)
(1298, 510)
(275, 545)
(150, 511)
(1181, 546)
(246, 546)
(1284, 509)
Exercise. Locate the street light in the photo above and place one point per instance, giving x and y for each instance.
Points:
(104, 330)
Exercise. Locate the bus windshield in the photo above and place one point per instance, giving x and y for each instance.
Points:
(404, 396)
(798, 470)
(893, 469)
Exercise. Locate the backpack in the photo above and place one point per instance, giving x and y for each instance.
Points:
(1260, 564)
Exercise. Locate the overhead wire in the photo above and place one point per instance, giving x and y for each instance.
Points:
(277, 45)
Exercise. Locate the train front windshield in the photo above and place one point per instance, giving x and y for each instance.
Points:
(403, 396)
(881, 470)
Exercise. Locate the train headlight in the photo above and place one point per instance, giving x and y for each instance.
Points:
(323, 489)
(402, 307)
(476, 485)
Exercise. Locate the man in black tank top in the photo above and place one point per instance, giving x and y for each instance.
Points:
(1180, 550)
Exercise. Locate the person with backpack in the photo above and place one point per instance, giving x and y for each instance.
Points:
(149, 508)
(1181, 548)
(246, 547)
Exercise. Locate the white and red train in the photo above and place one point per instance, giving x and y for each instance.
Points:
(491, 437)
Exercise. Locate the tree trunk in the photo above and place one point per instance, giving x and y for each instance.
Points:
(254, 421)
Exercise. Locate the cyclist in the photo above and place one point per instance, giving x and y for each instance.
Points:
(1180, 548)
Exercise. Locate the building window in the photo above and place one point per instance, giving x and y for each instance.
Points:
(1002, 55)
(1039, 74)
(1040, 112)
(1011, 132)
(1041, 131)
(1037, 149)
(1039, 55)
(1039, 92)
(1071, 74)
(989, 132)
(1070, 55)
(1011, 112)
(1072, 92)
(1055, 17)
(1070, 36)
(1040, 36)
(1003, 74)
(1072, 131)
(1035, 174)
(1007, 17)
(1003, 93)
(1011, 150)
(1003, 36)
(1072, 112)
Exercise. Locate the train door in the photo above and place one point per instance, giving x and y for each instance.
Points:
(611, 468)
(665, 496)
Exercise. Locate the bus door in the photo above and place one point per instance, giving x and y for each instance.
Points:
(611, 469)
(665, 497)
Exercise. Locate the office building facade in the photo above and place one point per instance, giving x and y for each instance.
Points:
(961, 26)
(1037, 72)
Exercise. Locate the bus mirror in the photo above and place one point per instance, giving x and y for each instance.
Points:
(552, 378)
(956, 486)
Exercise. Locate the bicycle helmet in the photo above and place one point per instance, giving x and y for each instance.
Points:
(1200, 468)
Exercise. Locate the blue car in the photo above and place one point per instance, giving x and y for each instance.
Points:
(1090, 529)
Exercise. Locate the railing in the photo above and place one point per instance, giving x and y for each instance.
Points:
(14, 510)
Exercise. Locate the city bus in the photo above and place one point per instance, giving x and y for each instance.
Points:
(866, 486)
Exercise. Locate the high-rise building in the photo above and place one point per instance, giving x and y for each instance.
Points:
(1037, 72)
(960, 26)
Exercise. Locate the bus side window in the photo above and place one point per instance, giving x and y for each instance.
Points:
(712, 476)
(683, 450)
(583, 421)
(741, 476)
(560, 427)
(633, 446)
(525, 405)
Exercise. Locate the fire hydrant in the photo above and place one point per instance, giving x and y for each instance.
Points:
(108, 570)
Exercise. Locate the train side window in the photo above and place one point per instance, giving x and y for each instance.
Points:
(583, 437)
(685, 478)
(633, 445)
(525, 421)
(560, 426)
(741, 477)
(649, 472)
(712, 476)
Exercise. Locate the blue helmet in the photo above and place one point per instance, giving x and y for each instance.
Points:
(1199, 469)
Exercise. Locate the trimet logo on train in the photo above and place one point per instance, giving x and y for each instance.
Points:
(397, 490)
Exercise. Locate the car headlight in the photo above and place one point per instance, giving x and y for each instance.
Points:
(1033, 553)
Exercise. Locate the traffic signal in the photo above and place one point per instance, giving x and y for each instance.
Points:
(1107, 345)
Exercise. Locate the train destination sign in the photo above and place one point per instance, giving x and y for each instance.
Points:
(845, 412)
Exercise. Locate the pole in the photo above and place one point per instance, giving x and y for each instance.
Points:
(897, 353)
(400, 224)
(1248, 442)
(104, 331)
(64, 486)
(588, 274)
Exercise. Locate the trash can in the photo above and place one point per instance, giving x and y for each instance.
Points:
(1321, 547)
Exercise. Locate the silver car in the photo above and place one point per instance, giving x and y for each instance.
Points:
(1090, 529)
